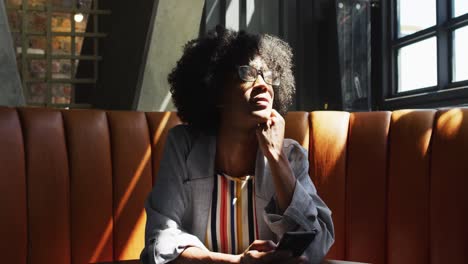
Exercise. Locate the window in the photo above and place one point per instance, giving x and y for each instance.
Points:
(53, 40)
(427, 54)
(460, 52)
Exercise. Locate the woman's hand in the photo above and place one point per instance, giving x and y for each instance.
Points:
(270, 140)
(271, 135)
(263, 252)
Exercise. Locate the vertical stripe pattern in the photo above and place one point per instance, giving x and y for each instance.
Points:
(232, 223)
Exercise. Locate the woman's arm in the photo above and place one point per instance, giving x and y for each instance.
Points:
(271, 137)
(296, 205)
(194, 255)
(259, 252)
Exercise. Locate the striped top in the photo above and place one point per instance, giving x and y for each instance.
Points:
(232, 224)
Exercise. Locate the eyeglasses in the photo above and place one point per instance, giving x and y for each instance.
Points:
(250, 74)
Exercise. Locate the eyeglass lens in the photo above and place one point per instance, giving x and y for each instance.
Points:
(249, 74)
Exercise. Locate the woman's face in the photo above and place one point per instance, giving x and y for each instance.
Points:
(250, 102)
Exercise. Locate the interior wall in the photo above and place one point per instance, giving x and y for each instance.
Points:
(176, 22)
(123, 52)
(11, 92)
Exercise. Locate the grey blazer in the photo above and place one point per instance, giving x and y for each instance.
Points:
(177, 207)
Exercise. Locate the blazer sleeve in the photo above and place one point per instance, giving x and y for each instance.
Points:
(306, 212)
(165, 238)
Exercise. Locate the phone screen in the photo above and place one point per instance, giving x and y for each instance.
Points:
(296, 242)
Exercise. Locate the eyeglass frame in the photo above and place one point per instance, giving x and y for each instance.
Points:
(258, 72)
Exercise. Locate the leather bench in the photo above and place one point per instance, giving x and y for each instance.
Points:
(73, 182)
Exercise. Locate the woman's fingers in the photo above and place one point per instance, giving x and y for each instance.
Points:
(263, 126)
(271, 135)
(262, 245)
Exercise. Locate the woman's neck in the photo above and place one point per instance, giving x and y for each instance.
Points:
(236, 150)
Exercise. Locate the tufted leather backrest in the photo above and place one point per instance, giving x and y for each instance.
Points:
(396, 183)
(13, 223)
(73, 182)
(366, 186)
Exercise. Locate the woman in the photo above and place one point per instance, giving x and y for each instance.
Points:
(230, 185)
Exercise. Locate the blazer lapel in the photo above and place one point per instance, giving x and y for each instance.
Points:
(200, 164)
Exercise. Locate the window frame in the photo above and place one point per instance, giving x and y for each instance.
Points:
(446, 92)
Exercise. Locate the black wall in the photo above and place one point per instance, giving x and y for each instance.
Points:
(123, 51)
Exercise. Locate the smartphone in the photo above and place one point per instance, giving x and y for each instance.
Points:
(296, 242)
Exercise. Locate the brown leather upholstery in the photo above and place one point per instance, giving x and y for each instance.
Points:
(366, 186)
(408, 186)
(73, 182)
(90, 185)
(48, 186)
(327, 156)
(159, 124)
(298, 127)
(132, 179)
(13, 208)
(449, 188)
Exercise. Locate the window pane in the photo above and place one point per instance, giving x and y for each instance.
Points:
(460, 54)
(37, 45)
(13, 3)
(417, 65)
(61, 69)
(61, 93)
(80, 25)
(415, 15)
(61, 45)
(37, 93)
(61, 22)
(14, 19)
(460, 7)
(37, 22)
(78, 45)
(37, 3)
(62, 3)
(37, 69)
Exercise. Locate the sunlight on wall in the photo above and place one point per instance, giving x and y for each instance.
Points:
(232, 15)
(250, 11)
(176, 22)
(165, 102)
